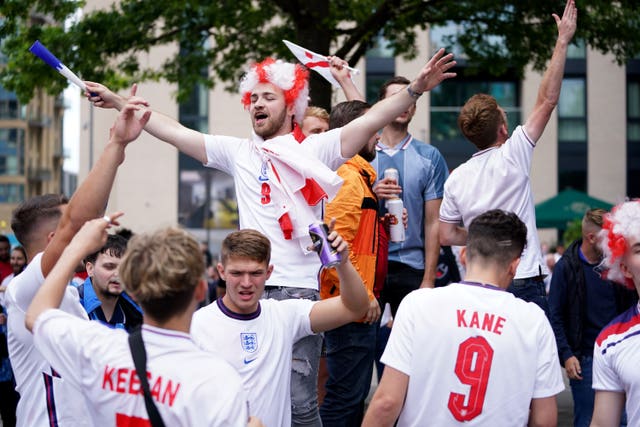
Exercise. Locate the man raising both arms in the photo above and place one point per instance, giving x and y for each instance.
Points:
(280, 182)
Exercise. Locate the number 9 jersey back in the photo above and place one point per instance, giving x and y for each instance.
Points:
(474, 354)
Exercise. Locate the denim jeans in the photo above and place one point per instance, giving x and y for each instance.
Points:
(304, 366)
(350, 354)
(401, 279)
(531, 289)
(584, 395)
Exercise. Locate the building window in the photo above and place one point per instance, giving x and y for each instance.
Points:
(9, 105)
(572, 135)
(447, 101)
(380, 65)
(11, 193)
(11, 151)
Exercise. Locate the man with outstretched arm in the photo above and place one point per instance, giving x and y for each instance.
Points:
(281, 177)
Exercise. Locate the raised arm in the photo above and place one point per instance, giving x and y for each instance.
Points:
(341, 73)
(90, 199)
(549, 91)
(188, 141)
(90, 238)
(353, 302)
(356, 133)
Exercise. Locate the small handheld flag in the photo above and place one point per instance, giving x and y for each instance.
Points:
(43, 53)
(316, 62)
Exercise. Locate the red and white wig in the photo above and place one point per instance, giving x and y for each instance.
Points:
(622, 224)
(293, 79)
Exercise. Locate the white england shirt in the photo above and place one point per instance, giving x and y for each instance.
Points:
(474, 354)
(241, 159)
(497, 178)
(189, 386)
(259, 347)
(616, 357)
(46, 398)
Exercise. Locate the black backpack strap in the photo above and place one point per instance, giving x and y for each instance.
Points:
(140, 361)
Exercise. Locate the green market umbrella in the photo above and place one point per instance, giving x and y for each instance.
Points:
(566, 206)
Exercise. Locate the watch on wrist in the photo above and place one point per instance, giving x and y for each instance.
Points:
(412, 93)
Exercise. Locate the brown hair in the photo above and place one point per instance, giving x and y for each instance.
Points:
(480, 119)
(397, 80)
(161, 271)
(30, 215)
(250, 244)
(496, 236)
(595, 217)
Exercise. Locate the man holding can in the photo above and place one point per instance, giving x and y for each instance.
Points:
(256, 336)
(413, 175)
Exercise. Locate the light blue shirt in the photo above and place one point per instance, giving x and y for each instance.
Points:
(422, 171)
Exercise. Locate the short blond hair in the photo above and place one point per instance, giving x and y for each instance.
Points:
(318, 112)
(161, 270)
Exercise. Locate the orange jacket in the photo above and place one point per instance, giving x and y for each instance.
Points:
(355, 209)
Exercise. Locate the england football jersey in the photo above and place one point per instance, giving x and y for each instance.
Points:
(616, 357)
(474, 354)
(497, 178)
(189, 386)
(254, 182)
(47, 399)
(259, 347)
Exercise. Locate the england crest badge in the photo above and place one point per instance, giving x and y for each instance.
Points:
(249, 341)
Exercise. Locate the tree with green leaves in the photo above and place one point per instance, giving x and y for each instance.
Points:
(223, 36)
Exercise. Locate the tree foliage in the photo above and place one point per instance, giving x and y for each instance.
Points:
(223, 36)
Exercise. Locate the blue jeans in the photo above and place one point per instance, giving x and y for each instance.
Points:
(304, 366)
(350, 354)
(531, 289)
(584, 395)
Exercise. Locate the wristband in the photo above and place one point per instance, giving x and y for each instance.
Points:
(412, 93)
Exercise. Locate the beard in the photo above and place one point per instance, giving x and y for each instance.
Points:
(271, 125)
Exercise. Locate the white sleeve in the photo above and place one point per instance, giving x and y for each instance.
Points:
(62, 340)
(449, 211)
(298, 310)
(399, 351)
(222, 151)
(326, 147)
(548, 375)
(21, 291)
(604, 376)
(519, 149)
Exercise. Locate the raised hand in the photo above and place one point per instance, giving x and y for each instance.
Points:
(128, 125)
(93, 234)
(567, 24)
(434, 72)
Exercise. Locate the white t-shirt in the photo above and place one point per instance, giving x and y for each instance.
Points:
(616, 357)
(259, 347)
(241, 159)
(497, 178)
(189, 386)
(46, 398)
(473, 354)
